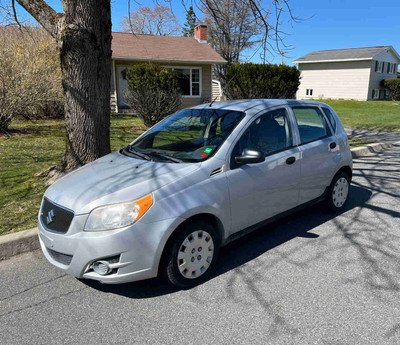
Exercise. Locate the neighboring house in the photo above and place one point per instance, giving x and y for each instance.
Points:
(191, 57)
(347, 73)
(216, 90)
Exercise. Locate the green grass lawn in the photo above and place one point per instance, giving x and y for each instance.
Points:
(39, 146)
(379, 115)
(357, 142)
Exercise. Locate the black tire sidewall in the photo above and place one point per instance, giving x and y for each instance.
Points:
(171, 268)
(329, 197)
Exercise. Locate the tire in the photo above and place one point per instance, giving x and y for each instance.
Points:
(186, 265)
(338, 192)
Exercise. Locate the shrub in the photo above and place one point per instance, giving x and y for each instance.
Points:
(249, 80)
(153, 92)
(393, 86)
(30, 75)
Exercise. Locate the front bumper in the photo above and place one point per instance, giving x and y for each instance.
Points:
(139, 248)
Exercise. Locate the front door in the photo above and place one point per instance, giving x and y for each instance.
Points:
(122, 85)
(260, 191)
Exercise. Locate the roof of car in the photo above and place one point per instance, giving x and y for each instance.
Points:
(246, 104)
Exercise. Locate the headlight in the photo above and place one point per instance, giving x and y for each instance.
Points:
(117, 215)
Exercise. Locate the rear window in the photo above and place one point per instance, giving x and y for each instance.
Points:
(311, 124)
(331, 118)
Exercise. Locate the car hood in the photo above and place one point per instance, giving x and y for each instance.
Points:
(112, 179)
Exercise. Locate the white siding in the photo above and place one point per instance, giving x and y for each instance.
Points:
(216, 91)
(346, 80)
(377, 77)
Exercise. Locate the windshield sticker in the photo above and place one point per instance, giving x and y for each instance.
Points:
(208, 150)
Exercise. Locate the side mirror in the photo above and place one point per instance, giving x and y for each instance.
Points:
(250, 157)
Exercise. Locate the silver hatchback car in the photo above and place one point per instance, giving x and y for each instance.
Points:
(167, 202)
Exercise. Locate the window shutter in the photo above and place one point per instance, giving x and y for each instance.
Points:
(388, 68)
(383, 67)
(376, 66)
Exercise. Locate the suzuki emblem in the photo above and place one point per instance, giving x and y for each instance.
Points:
(50, 216)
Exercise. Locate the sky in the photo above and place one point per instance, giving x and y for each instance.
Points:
(327, 24)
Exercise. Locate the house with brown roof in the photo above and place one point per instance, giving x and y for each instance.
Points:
(191, 57)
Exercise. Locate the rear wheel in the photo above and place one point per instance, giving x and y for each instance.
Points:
(192, 254)
(338, 192)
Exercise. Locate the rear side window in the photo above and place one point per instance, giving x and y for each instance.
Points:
(331, 118)
(311, 124)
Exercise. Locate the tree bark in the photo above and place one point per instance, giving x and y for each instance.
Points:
(83, 34)
(85, 53)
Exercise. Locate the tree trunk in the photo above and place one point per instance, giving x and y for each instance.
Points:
(85, 52)
(83, 34)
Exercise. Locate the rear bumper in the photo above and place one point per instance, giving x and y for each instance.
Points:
(139, 248)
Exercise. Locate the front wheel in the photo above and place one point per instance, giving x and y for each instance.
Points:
(338, 192)
(192, 254)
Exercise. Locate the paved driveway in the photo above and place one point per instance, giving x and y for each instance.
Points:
(312, 278)
(373, 135)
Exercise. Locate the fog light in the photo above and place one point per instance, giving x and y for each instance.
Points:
(101, 267)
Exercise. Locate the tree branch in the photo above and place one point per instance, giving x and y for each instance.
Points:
(15, 14)
(43, 13)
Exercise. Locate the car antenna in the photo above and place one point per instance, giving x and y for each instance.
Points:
(213, 101)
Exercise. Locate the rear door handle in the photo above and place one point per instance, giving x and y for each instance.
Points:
(290, 160)
(332, 145)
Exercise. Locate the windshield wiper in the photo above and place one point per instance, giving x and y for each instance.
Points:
(137, 153)
(162, 155)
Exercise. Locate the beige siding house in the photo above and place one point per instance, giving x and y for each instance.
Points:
(347, 73)
(191, 57)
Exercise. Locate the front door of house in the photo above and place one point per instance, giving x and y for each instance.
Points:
(122, 85)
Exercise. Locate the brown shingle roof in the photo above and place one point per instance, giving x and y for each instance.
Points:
(351, 54)
(162, 48)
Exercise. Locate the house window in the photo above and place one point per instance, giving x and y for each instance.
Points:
(189, 81)
(392, 68)
(309, 92)
(375, 93)
(379, 66)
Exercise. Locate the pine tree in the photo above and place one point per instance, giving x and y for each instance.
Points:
(190, 24)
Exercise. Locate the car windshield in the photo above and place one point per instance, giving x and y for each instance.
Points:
(191, 135)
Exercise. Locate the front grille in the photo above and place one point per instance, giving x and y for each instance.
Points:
(64, 259)
(54, 217)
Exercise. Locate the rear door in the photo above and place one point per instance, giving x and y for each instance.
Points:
(260, 191)
(318, 149)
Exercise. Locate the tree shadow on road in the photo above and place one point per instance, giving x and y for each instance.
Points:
(248, 248)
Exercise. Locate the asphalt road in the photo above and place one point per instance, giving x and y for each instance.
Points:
(312, 278)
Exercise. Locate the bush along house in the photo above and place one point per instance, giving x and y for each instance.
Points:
(191, 57)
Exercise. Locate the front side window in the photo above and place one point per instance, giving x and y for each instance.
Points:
(269, 134)
(311, 124)
(191, 135)
(189, 81)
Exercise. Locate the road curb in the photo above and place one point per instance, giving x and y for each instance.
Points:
(18, 243)
(27, 240)
(371, 148)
